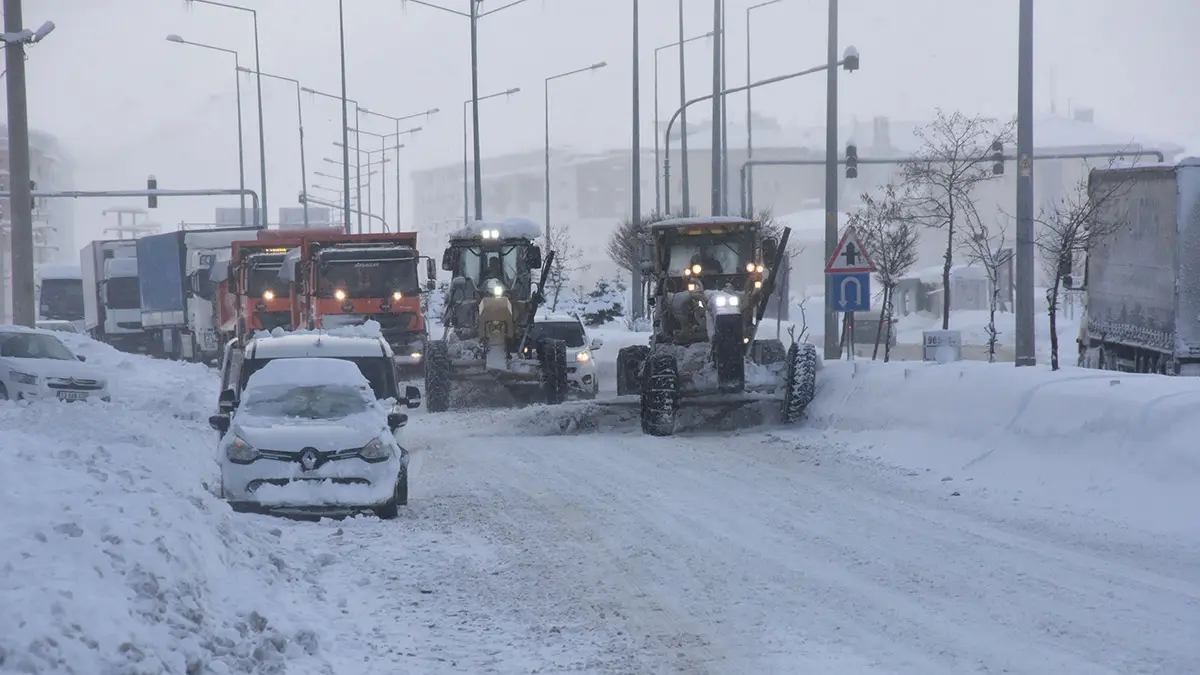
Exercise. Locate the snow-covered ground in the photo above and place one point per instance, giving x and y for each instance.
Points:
(926, 519)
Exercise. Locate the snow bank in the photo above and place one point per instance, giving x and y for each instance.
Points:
(1117, 444)
(114, 558)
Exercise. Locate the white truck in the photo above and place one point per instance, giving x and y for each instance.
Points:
(59, 290)
(112, 303)
(180, 298)
(1142, 281)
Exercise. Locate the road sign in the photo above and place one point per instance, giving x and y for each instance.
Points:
(850, 291)
(850, 256)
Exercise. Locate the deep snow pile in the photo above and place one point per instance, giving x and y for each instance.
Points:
(114, 556)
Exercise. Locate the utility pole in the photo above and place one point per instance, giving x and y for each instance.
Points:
(683, 130)
(715, 147)
(475, 107)
(20, 205)
(1026, 354)
(345, 123)
(832, 343)
(635, 281)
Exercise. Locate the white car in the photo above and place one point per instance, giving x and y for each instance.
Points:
(582, 376)
(36, 364)
(309, 437)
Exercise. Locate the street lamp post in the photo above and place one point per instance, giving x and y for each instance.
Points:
(383, 147)
(358, 172)
(718, 95)
(262, 144)
(593, 67)
(1026, 346)
(238, 80)
(474, 15)
(466, 182)
(346, 148)
(300, 121)
(749, 114)
(21, 200)
(657, 156)
(683, 133)
(397, 120)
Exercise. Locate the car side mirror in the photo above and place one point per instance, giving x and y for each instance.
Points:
(533, 258)
(597, 344)
(448, 260)
(397, 420)
(227, 401)
(219, 423)
(81, 357)
(770, 250)
(412, 397)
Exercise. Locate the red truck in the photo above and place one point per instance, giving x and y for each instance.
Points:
(347, 279)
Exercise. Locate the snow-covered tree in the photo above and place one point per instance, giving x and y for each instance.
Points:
(988, 248)
(568, 261)
(892, 239)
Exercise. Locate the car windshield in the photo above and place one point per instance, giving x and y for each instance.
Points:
(479, 265)
(60, 326)
(369, 279)
(570, 332)
(264, 277)
(324, 402)
(714, 255)
(33, 346)
(377, 370)
(122, 293)
(62, 299)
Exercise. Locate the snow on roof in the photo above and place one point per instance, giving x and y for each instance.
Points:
(511, 227)
(308, 372)
(700, 220)
(314, 344)
(59, 272)
(555, 318)
(368, 329)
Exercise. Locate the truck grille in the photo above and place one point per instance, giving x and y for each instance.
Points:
(272, 320)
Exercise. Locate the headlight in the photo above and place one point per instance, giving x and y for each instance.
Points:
(495, 288)
(240, 452)
(758, 284)
(339, 294)
(696, 269)
(375, 451)
(268, 295)
(23, 378)
(397, 296)
(749, 267)
(730, 300)
(583, 356)
(415, 355)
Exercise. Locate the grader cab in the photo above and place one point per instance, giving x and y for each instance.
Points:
(711, 279)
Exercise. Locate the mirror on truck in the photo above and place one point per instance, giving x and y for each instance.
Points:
(533, 257)
(770, 250)
(430, 269)
(448, 260)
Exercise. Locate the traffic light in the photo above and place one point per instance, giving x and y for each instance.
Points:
(997, 158)
(32, 199)
(152, 184)
(851, 161)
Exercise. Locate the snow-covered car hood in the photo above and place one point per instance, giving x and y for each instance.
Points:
(324, 435)
(53, 368)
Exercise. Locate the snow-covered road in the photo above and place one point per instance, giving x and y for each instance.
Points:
(1030, 538)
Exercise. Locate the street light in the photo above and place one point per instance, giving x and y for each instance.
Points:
(749, 115)
(383, 145)
(474, 15)
(478, 187)
(262, 144)
(241, 152)
(300, 120)
(345, 151)
(593, 67)
(397, 120)
(657, 157)
(370, 172)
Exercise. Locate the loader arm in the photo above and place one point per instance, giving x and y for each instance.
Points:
(535, 300)
(769, 284)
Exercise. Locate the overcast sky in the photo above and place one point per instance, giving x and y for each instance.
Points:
(127, 103)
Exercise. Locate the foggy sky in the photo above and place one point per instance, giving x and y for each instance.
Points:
(127, 103)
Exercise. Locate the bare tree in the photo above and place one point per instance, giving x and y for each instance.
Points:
(625, 243)
(891, 237)
(1070, 229)
(939, 181)
(987, 247)
(568, 260)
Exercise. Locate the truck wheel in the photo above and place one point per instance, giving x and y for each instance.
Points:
(629, 369)
(553, 355)
(660, 395)
(437, 376)
(801, 385)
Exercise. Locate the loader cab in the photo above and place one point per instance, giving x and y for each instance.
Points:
(494, 265)
(694, 254)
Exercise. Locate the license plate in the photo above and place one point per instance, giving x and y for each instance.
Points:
(72, 396)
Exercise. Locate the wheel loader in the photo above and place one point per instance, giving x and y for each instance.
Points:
(710, 282)
(489, 315)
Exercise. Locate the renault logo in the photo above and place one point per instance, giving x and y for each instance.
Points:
(309, 459)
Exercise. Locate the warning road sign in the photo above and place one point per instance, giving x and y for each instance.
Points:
(850, 256)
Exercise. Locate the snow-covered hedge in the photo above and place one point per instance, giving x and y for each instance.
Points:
(114, 558)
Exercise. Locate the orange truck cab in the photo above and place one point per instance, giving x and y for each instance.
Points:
(349, 279)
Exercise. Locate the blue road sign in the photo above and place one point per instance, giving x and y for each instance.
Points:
(850, 292)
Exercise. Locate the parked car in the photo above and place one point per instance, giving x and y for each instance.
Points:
(372, 355)
(311, 437)
(36, 364)
(58, 325)
(581, 363)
